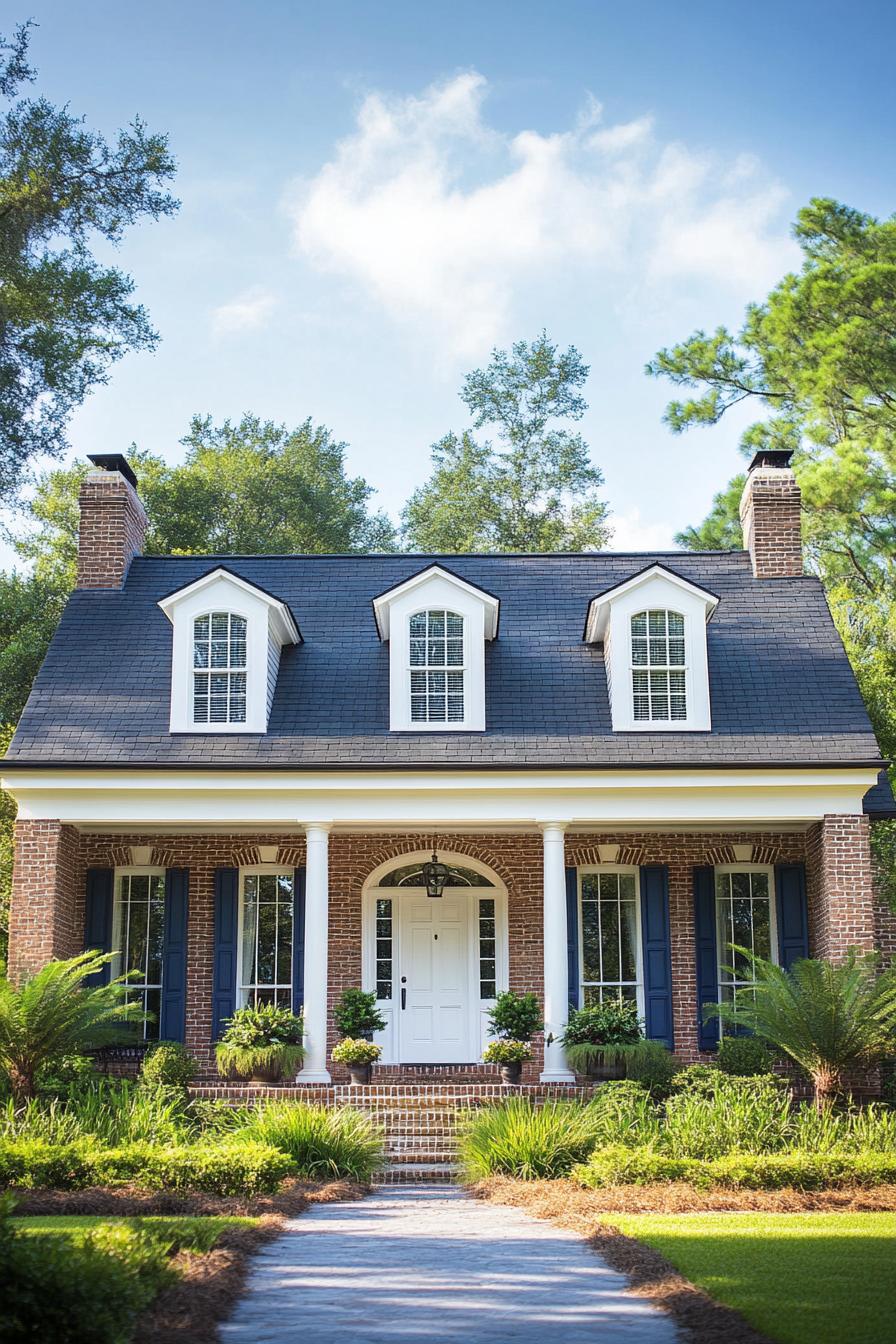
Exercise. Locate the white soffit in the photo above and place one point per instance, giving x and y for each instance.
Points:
(599, 607)
(382, 605)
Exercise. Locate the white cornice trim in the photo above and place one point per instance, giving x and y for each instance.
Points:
(287, 630)
(599, 607)
(383, 604)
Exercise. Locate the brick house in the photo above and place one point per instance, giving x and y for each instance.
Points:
(231, 772)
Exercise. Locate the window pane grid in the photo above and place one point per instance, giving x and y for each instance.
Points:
(219, 668)
(658, 667)
(140, 918)
(488, 965)
(436, 657)
(743, 917)
(384, 932)
(609, 937)
(267, 939)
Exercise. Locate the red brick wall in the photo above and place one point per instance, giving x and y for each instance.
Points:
(770, 515)
(47, 917)
(111, 530)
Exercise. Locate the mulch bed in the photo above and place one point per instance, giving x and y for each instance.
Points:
(650, 1274)
(209, 1284)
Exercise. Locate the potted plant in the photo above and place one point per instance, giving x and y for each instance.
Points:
(261, 1043)
(597, 1036)
(357, 1016)
(511, 1055)
(358, 1055)
(514, 1020)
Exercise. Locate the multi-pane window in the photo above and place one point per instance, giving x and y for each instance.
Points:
(488, 966)
(138, 934)
(219, 668)
(743, 918)
(658, 667)
(266, 939)
(609, 936)
(436, 655)
(384, 947)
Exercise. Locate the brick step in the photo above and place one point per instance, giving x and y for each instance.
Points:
(419, 1173)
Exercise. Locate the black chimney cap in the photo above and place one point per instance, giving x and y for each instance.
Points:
(771, 457)
(114, 462)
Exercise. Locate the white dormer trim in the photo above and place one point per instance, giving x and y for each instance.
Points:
(436, 589)
(269, 626)
(609, 622)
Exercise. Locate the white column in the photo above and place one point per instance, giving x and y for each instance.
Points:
(317, 914)
(556, 989)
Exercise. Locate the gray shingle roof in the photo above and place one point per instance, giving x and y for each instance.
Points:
(781, 687)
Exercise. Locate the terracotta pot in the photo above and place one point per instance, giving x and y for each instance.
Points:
(359, 1074)
(512, 1073)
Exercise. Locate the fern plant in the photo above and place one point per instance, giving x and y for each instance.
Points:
(261, 1039)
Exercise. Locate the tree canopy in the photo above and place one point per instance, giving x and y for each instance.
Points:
(536, 490)
(64, 317)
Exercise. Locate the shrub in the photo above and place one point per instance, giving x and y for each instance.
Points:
(86, 1292)
(262, 1037)
(320, 1142)
(37, 1164)
(622, 1112)
(526, 1141)
(612, 1022)
(515, 1017)
(356, 1014)
(735, 1114)
(168, 1064)
(358, 1051)
(507, 1052)
(619, 1165)
(740, 1171)
(700, 1079)
(744, 1056)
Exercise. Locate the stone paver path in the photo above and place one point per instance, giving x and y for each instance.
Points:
(416, 1264)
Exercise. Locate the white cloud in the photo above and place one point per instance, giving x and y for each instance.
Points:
(247, 312)
(631, 532)
(441, 219)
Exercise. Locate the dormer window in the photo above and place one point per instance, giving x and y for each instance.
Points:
(659, 686)
(653, 631)
(436, 625)
(225, 656)
(436, 646)
(219, 668)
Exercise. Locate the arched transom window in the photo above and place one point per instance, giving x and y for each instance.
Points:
(436, 655)
(219, 668)
(658, 667)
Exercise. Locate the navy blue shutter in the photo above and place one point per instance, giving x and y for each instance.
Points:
(298, 941)
(224, 975)
(707, 961)
(793, 916)
(572, 935)
(98, 919)
(656, 944)
(173, 1015)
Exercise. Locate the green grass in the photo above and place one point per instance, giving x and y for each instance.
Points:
(801, 1278)
(190, 1234)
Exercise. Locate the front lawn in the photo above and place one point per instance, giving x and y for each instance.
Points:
(800, 1278)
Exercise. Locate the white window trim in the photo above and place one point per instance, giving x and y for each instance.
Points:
(260, 870)
(722, 955)
(589, 870)
(436, 590)
(117, 964)
(609, 620)
(268, 622)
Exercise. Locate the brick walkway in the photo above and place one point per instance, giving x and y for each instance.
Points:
(417, 1264)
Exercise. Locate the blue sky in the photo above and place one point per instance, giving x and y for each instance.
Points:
(376, 194)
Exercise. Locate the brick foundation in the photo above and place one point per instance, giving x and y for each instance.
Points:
(51, 863)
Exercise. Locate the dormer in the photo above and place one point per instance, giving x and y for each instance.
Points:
(436, 625)
(227, 638)
(653, 630)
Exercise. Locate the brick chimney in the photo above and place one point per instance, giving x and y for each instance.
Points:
(770, 516)
(113, 523)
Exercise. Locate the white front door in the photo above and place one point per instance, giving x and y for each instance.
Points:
(432, 976)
